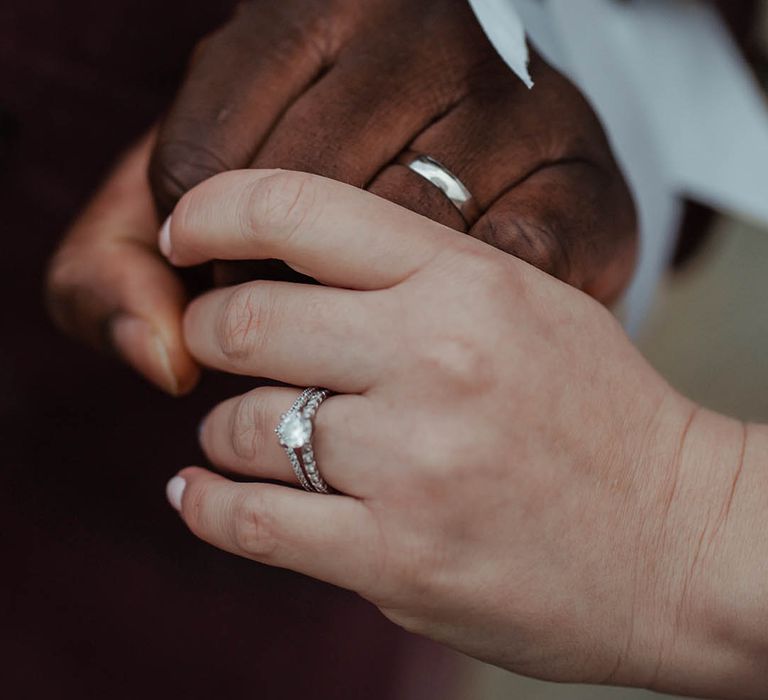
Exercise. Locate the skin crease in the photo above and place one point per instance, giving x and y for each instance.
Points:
(341, 88)
(513, 479)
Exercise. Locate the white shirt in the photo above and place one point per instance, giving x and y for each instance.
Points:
(683, 114)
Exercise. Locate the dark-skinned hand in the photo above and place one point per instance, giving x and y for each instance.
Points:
(344, 88)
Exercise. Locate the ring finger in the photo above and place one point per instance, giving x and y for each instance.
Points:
(239, 436)
(552, 197)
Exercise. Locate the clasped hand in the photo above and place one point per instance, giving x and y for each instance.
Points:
(342, 89)
(500, 450)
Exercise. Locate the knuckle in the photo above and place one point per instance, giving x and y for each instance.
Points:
(484, 266)
(430, 449)
(444, 458)
(418, 572)
(532, 241)
(285, 202)
(178, 165)
(458, 360)
(242, 321)
(194, 509)
(315, 33)
(253, 526)
(459, 363)
(249, 426)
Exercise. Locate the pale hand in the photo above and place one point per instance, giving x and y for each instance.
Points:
(514, 480)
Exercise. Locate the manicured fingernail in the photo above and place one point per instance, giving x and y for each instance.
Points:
(175, 491)
(142, 347)
(165, 238)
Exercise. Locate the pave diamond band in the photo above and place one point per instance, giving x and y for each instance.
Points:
(307, 453)
(295, 435)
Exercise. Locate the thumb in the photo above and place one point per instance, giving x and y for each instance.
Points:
(108, 285)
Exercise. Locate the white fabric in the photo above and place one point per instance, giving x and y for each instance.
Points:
(502, 24)
(677, 100)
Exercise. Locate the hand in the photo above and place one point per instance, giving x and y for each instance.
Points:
(342, 87)
(109, 286)
(536, 161)
(514, 480)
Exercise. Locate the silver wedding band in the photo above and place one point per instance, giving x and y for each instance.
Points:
(454, 189)
(294, 432)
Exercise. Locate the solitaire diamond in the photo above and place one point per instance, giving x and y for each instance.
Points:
(295, 430)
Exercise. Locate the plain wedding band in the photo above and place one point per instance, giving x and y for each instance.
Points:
(441, 177)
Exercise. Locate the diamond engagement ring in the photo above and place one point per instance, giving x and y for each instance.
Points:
(295, 435)
(442, 178)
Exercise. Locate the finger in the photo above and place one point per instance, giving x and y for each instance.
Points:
(108, 284)
(571, 220)
(400, 185)
(294, 333)
(328, 230)
(347, 126)
(239, 436)
(331, 538)
(478, 140)
(562, 204)
(236, 89)
(493, 139)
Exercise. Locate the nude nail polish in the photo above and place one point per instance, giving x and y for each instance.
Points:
(164, 240)
(175, 491)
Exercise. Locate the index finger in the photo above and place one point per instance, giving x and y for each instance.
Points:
(336, 233)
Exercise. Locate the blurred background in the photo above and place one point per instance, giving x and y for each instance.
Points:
(103, 593)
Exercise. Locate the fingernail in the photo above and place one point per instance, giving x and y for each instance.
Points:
(165, 238)
(175, 491)
(200, 429)
(170, 382)
(142, 347)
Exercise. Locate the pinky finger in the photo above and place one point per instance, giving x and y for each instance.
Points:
(573, 220)
(330, 538)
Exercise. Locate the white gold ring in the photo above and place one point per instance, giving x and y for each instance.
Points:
(454, 189)
(294, 432)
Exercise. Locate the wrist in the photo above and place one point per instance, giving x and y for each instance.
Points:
(711, 589)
